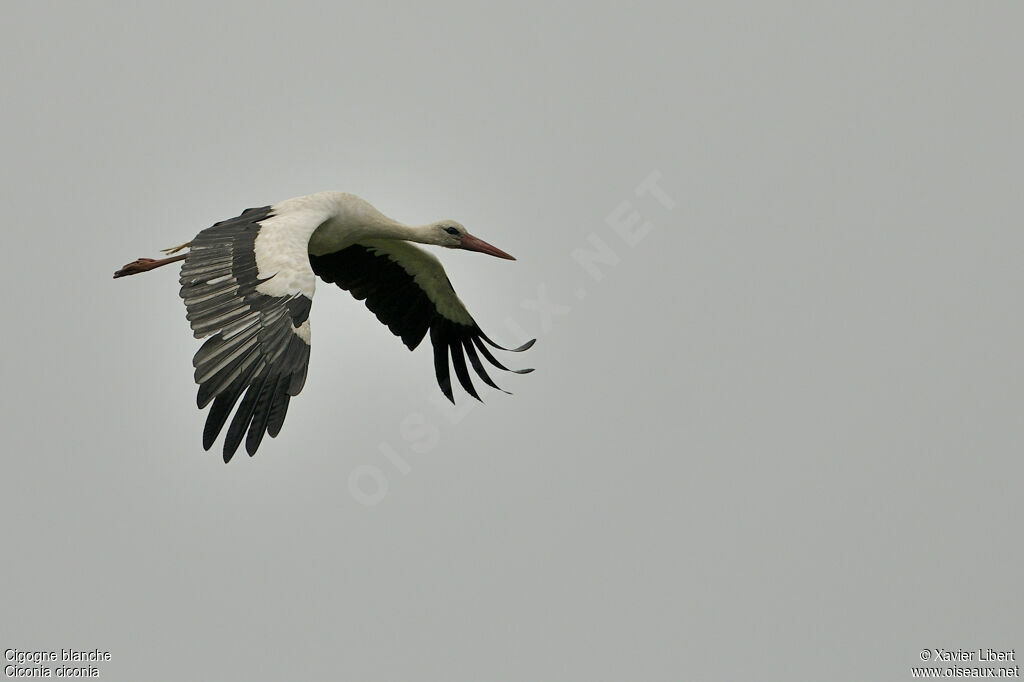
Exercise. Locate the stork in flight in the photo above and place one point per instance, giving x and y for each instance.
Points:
(248, 284)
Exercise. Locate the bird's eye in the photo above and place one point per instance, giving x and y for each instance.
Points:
(451, 230)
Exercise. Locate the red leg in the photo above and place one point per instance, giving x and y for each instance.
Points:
(145, 265)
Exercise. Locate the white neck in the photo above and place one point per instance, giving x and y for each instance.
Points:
(382, 227)
(356, 220)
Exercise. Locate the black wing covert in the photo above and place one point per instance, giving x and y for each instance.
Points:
(406, 288)
(259, 344)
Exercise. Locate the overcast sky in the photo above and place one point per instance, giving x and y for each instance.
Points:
(772, 257)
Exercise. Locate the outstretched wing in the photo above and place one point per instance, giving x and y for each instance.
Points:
(255, 302)
(407, 289)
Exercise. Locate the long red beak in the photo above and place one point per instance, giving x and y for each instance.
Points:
(471, 243)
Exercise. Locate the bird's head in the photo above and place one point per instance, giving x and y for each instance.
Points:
(453, 235)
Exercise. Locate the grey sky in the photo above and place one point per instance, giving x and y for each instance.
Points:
(778, 438)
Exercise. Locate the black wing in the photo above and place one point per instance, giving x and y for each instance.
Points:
(407, 289)
(260, 342)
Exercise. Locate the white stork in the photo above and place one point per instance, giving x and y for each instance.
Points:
(248, 283)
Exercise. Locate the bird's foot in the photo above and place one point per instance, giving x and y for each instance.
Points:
(135, 267)
(145, 265)
(176, 249)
